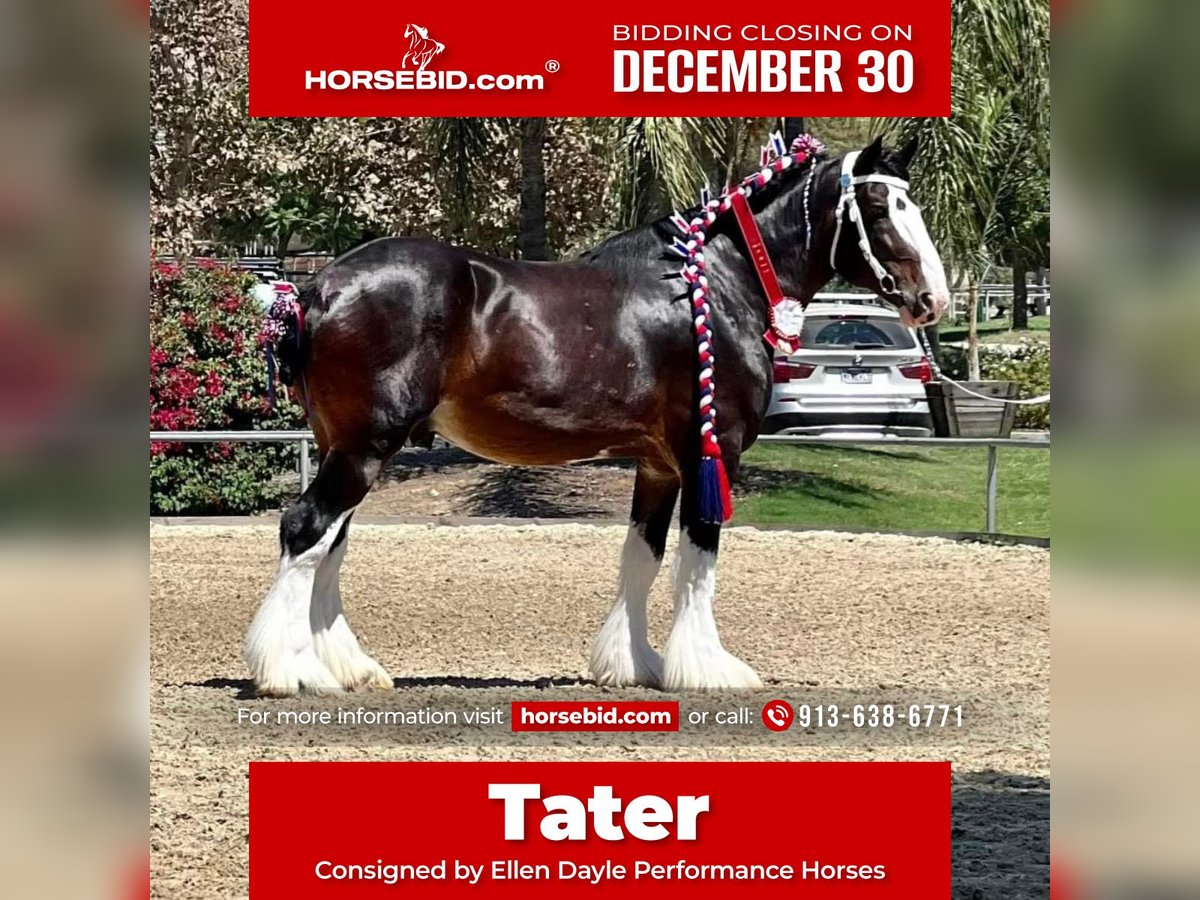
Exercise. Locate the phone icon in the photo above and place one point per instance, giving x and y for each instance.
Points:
(778, 715)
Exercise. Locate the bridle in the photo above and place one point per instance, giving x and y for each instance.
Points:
(847, 207)
(786, 314)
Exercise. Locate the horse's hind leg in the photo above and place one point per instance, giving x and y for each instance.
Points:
(280, 649)
(622, 654)
(695, 658)
(333, 640)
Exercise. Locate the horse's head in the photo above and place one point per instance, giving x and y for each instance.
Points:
(410, 30)
(899, 261)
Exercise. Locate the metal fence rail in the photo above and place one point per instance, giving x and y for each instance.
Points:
(303, 438)
(992, 445)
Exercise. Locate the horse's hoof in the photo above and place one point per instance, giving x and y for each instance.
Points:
(711, 668)
(364, 674)
(275, 691)
(377, 680)
(281, 691)
(643, 669)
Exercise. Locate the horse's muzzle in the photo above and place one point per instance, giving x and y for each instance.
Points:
(923, 310)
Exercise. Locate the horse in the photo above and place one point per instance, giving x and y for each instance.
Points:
(536, 363)
(421, 48)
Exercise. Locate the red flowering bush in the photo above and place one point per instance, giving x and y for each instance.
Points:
(208, 372)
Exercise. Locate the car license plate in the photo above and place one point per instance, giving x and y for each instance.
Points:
(857, 376)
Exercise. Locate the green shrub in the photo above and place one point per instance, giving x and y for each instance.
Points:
(1026, 363)
(207, 371)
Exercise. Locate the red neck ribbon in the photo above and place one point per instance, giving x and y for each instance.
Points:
(758, 249)
(778, 338)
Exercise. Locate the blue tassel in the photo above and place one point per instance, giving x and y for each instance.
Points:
(714, 491)
(271, 377)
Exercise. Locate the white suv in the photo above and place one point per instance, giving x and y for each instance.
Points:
(859, 371)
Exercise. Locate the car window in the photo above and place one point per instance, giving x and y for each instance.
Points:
(855, 333)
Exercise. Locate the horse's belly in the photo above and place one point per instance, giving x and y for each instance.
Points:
(529, 440)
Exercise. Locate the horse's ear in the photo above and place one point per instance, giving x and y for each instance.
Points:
(910, 151)
(870, 158)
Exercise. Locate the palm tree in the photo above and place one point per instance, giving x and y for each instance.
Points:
(459, 144)
(660, 164)
(656, 165)
(531, 233)
(978, 168)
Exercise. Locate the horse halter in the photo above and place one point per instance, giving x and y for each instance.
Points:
(848, 206)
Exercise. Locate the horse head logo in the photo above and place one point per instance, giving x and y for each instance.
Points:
(421, 47)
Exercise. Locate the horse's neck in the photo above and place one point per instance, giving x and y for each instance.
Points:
(802, 273)
(800, 258)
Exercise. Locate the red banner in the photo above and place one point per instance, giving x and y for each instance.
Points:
(380, 58)
(563, 830)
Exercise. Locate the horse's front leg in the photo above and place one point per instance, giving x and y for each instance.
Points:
(695, 658)
(622, 655)
(280, 650)
(333, 640)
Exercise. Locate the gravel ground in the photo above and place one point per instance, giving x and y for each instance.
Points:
(477, 616)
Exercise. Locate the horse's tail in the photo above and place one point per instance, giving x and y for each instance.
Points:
(291, 350)
(286, 336)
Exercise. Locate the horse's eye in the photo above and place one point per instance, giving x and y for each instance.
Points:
(900, 204)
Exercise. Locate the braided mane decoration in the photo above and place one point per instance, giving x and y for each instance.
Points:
(715, 502)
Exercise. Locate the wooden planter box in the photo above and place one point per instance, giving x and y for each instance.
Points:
(958, 414)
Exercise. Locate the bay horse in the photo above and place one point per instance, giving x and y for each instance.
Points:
(421, 48)
(544, 364)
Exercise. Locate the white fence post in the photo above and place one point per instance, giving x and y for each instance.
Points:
(991, 488)
(304, 465)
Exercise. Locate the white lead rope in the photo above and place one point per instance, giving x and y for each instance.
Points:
(937, 370)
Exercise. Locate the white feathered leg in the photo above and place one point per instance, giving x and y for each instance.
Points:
(279, 645)
(622, 655)
(695, 659)
(335, 643)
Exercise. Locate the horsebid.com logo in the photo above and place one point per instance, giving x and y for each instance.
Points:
(414, 76)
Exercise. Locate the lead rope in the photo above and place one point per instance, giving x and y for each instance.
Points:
(942, 376)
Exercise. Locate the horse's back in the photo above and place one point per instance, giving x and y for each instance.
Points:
(519, 361)
(392, 269)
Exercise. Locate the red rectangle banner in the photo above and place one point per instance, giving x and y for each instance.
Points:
(563, 830)
(585, 715)
(377, 58)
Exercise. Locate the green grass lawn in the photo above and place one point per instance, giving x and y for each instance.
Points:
(906, 488)
(997, 331)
